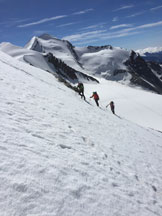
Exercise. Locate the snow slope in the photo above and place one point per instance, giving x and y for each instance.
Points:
(134, 104)
(61, 156)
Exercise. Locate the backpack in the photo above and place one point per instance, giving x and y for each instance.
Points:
(80, 85)
(95, 95)
(111, 103)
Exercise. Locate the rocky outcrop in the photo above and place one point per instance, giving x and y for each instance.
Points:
(142, 73)
(98, 48)
(66, 72)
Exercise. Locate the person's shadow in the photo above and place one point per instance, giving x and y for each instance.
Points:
(117, 116)
(88, 102)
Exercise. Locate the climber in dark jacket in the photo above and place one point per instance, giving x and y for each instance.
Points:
(80, 89)
(112, 107)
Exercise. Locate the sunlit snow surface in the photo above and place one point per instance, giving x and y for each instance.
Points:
(61, 156)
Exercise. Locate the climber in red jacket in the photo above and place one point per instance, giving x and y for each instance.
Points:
(96, 97)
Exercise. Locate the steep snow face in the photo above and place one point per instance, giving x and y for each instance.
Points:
(63, 156)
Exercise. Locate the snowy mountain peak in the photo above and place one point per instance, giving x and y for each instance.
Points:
(54, 39)
(98, 48)
(40, 43)
(47, 37)
(133, 54)
(31, 43)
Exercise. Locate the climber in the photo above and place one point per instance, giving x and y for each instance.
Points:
(96, 97)
(112, 107)
(80, 89)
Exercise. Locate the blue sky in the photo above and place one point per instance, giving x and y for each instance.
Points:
(129, 24)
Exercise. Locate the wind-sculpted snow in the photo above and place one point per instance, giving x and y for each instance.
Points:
(61, 156)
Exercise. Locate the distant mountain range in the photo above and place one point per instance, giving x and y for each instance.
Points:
(86, 64)
(151, 54)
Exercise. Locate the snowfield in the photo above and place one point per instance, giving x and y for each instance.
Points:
(131, 103)
(98, 62)
(61, 156)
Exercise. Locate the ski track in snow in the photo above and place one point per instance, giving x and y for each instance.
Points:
(62, 157)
